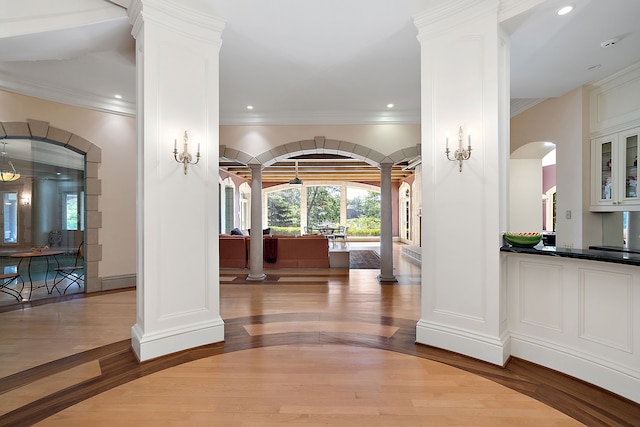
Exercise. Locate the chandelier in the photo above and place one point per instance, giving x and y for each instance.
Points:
(7, 170)
(296, 182)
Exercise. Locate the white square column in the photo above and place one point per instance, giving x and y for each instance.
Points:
(177, 63)
(465, 83)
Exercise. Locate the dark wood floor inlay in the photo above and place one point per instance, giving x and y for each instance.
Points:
(589, 405)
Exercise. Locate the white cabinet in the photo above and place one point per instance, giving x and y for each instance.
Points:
(614, 172)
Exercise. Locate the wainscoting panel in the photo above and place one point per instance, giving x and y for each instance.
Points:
(606, 308)
(541, 296)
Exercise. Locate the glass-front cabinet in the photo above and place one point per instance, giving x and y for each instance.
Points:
(614, 171)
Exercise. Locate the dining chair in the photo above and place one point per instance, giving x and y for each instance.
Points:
(73, 273)
(6, 280)
(341, 233)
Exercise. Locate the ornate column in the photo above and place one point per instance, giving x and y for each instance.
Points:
(386, 225)
(178, 288)
(256, 267)
(464, 82)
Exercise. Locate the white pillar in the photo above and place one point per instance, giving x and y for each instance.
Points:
(386, 225)
(464, 82)
(256, 267)
(343, 204)
(177, 300)
(304, 221)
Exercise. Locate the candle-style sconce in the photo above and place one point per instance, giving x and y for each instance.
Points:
(460, 154)
(185, 158)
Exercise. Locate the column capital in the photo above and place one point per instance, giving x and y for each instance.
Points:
(452, 13)
(257, 167)
(200, 18)
(386, 166)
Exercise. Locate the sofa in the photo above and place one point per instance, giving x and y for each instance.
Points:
(290, 251)
(233, 251)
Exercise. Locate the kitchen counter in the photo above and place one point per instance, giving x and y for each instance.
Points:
(576, 311)
(594, 253)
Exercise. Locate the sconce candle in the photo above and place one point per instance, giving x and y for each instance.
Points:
(185, 158)
(460, 154)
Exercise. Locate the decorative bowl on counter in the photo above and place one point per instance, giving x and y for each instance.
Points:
(523, 240)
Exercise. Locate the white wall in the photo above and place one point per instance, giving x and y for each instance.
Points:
(525, 195)
(564, 121)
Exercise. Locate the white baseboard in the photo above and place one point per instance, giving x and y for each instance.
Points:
(598, 372)
(148, 346)
(492, 349)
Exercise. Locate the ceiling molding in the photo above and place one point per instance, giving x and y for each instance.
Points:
(321, 118)
(519, 105)
(76, 98)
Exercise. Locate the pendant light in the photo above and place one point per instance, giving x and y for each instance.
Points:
(7, 170)
(296, 182)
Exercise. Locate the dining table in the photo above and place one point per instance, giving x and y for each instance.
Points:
(327, 230)
(51, 259)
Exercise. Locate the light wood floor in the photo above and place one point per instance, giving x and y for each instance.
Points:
(319, 347)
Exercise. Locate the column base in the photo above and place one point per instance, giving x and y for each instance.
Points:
(147, 346)
(391, 278)
(256, 277)
(492, 349)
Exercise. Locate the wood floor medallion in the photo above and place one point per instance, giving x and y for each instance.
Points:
(328, 349)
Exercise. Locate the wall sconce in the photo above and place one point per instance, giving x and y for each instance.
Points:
(185, 158)
(26, 200)
(461, 153)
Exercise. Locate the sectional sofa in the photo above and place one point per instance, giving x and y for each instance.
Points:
(309, 251)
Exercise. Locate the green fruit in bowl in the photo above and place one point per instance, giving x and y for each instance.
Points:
(523, 240)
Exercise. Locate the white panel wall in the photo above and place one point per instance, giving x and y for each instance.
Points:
(576, 316)
(178, 285)
(464, 83)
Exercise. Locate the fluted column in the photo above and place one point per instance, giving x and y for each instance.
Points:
(386, 225)
(256, 268)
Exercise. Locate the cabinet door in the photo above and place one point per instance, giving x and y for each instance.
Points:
(629, 150)
(603, 171)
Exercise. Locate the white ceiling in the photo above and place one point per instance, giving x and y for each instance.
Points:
(304, 61)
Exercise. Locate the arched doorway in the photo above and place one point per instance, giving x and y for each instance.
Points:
(41, 131)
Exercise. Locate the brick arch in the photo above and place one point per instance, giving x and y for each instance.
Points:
(320, 145)
(41, 131)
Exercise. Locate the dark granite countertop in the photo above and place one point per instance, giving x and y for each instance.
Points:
(604, 254)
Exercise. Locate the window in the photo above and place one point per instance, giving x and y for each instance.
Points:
(245, 206)
(73, 211)
(228, 208)
(10, 216)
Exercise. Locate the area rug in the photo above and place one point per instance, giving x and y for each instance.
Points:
(364, 259)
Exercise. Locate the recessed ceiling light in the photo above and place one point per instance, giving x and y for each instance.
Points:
(117, 96)
(249, 107)
(390, 105)
(564, 10)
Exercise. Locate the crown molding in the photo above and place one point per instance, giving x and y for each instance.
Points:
(510, 8)
(453, 13)
(321, 118)
(190, 22)
(73, 97)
